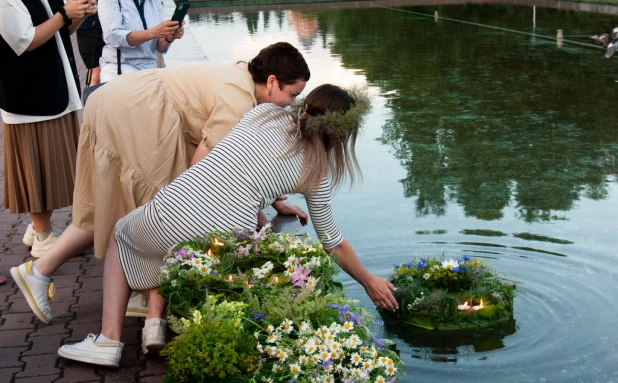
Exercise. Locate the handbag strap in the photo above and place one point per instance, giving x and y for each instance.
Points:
(119, 70)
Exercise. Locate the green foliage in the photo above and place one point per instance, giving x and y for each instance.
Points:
(210, 351)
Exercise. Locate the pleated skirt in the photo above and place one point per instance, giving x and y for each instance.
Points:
(39, 164)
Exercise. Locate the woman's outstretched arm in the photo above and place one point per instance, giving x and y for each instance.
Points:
(379, 289)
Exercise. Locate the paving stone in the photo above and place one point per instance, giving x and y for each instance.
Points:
(44, 345)
(56, 327)
(11, 260)
(38, 379)
(61, 281)
(14, 338)
(9, 357)
(63, 309)
(152, 379)
(80, 331)
(93, 270)
(132, 356)
(121, 375)
(4, 297)
(70, 268)
(89, 298)
(17, 321)
(39, 365)
(6, 374)
(90, 283)
(154, 367)
(88, 314)
(77, 372)
(131, 336)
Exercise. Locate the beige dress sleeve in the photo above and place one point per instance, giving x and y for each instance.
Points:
(227, 108)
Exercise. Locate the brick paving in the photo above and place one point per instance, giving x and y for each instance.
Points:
(28, 348)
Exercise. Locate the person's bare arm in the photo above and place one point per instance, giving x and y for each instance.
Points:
(75, 10)
(201, 152)
(379, 289)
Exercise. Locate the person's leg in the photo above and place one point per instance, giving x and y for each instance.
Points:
(71, 243)
(41, 221)
(157, 304)
(106, 348)
(116, 293)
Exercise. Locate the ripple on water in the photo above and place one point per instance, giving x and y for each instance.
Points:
(563, 327)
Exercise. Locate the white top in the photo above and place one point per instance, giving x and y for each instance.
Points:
(17, 30)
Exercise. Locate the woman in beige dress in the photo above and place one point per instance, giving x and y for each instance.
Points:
(142, 130)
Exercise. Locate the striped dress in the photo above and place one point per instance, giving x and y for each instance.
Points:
(244, 173)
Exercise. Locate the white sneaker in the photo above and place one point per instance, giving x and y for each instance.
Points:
(90, 351)
(138, 305)
(29, 235)
(153, 337)
(39, 248)
(37, 292)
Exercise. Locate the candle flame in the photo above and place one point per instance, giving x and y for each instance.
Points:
(481, 305)
(216, 242)
(276, 279)
(230, 277)
(209, 252)
(466, 304)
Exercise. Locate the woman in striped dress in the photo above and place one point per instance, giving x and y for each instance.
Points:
(266, 155)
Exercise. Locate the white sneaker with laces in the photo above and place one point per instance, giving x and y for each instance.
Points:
(29, 235)
(39, 248)
(37, 292)
(153, 337)
(93, 352)
(138, 305)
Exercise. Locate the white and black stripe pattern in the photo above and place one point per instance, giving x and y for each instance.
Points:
(244, 173)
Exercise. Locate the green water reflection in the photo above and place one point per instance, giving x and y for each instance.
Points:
(485, 118)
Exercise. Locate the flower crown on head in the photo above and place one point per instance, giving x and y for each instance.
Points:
(334, 123)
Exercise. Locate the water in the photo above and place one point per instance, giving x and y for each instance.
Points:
(481, 142)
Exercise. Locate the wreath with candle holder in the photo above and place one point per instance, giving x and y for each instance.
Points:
(438, 294)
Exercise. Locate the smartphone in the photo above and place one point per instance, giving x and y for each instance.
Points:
(181, 10)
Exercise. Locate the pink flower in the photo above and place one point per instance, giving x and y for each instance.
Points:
(300, 275)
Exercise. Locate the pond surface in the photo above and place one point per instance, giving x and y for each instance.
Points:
(482, 142)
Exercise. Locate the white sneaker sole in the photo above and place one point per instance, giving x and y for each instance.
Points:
(88, 359)
(153, 348)
(21, 283)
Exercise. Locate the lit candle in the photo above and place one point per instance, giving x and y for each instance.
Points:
(479, 306)
(464, 307)
(230, 277)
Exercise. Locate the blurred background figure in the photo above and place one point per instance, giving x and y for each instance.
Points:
(90, 44)
(134, 30)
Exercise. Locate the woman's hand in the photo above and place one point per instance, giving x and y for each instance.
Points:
(163, 30)
(381, 293)
(178, 33)
(285, 209)
(92, 8)
(76, 9)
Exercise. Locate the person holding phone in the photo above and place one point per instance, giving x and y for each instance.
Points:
(39, 100)
(134, 30)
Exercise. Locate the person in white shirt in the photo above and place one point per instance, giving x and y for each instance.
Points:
(39, 97)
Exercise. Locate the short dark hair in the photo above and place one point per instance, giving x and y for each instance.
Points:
(283, 61)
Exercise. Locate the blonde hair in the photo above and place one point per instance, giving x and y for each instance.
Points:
(325, 133)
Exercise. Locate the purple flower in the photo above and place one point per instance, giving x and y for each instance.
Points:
(258, 316)
(191, 256)
(240, 234)
(327, 362)
(377, 341)
(379, 323)
(182, 252)
(214, 272)
(300, 276)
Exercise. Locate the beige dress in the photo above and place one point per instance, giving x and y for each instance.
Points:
(141, 130)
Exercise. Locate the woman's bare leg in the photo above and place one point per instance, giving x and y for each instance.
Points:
(71, 243)
(116, 293)
(157, 304)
